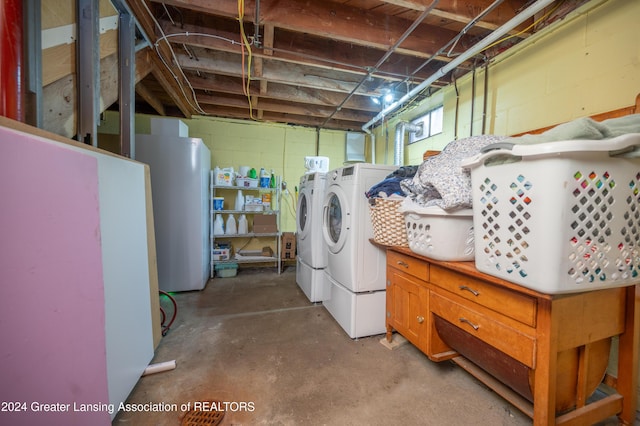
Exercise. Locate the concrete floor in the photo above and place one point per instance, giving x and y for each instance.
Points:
(255, 342)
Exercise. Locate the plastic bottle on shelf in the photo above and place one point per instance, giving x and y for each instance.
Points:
(243, 226)
(264, 178)
(218, 225)
(231, 225)
(272, 180)
(239, 200)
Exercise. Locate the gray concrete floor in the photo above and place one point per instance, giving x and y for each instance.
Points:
(256, 343)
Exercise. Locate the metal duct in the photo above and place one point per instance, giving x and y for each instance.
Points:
(478, 47)
(401, 127)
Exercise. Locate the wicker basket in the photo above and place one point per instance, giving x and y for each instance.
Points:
(388, 224)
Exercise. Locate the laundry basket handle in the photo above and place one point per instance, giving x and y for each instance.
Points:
(497, 145)
(627, 145)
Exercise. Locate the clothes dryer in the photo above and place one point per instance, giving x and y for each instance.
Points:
(354, 279)
(312, 255)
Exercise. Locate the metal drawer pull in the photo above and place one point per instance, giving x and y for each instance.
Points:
(420, 319)
(469, 289)
(475, 327)
(401, 263)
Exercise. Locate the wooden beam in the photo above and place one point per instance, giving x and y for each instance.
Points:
(333, 20)
(173, 91)
(464, 12)
(285, 107)
(166, 71)
(60, 61)
(143, 64)
(279, 72)
(150, 98)
(301, 120)
(285, 92)
(308, 50)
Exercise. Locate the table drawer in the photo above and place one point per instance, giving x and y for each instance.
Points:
(518, 306)
(488, 329)
(410, 265)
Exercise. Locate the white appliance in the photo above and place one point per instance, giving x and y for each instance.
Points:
(316, 164)
(179, 168)
(354, 279)
(312, 254)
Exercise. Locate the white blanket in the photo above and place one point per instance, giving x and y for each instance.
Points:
(585, 128)
(440, 181)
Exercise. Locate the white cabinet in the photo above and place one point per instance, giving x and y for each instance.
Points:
(257, 220)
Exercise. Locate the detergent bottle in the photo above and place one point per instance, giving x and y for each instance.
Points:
(231, 225)
(218, 225)
(243, 226)
(240, 200)
(264, 178)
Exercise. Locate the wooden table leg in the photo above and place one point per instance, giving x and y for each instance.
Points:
(544, 395)
(627, 383)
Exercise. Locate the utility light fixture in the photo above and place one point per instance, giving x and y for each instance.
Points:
(385, 99)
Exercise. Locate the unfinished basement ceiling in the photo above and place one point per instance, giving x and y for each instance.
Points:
(313, 63)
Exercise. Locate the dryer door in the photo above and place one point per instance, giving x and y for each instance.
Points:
(303, 215)
(336, 219)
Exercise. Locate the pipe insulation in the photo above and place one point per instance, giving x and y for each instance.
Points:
(159, 367)
(477, 48)
(401, 127)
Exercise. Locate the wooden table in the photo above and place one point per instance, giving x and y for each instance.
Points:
(546, 354)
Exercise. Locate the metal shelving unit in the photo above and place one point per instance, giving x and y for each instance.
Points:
(247, 258)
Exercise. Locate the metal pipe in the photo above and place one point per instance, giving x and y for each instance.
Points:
(88, 71)
(33, 62)
(455, 40)
(256, 25)
(484, 102)
(126, 83)
(473, 97)
(401, 127)
(373, 148)
(455, 123)
(389, 52)
(478, 47)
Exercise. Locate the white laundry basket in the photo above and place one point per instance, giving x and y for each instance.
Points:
(438, 234)
(559, 217)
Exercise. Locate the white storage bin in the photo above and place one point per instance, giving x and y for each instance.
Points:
(438, 234)
(559, 217)
(247, 182)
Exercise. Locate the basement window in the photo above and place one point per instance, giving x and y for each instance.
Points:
(430, 124)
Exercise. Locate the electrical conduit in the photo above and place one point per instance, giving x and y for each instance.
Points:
(479, 47)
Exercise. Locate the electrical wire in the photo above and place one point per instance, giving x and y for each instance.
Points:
(292, 210)
(197, 106)
(187, 34)
(536, 22)
(246, 81)
(165, 327)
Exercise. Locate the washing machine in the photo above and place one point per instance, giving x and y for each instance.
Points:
(312, 255)
(353, 288)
